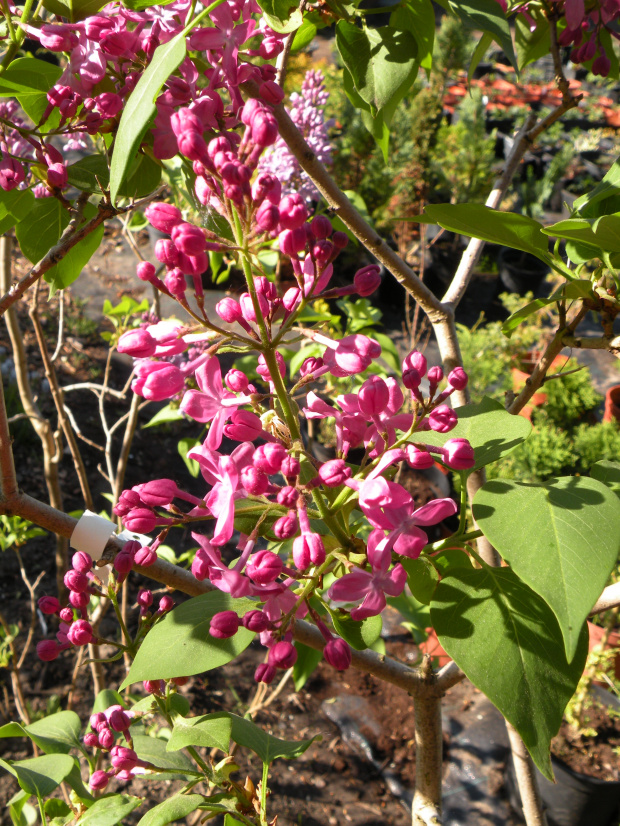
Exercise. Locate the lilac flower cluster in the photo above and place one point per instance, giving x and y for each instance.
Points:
(306, 111)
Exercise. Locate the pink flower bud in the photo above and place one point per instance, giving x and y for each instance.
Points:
(140, 520)
(236, 380)
(190, 239)
(442, 419)
(157, 380)
(146, 271)
(80, 633)
(109, 104)
(137, 343)
(57, 175)
(180, 680)
(82, 562)
(79, 600)
(282, 655)
(293, 241)
(166, 603)
(367, 280)
(49, 605)
(601, 65)
(91, 741)
(99, 780)
(287, 496)
(290, 467)
(321, 227)
(373, 396)
(47, 650)
(167, 252)
(66, 614)
(270, 92)
(264, 567)
(266, 186)
(163, 217)
(458, 378)
(310, 365)
(12, 173)
(244, 427)
(337, 653)
(267, 217)
(123, 758)
(269, 457)
(157, 494)
(418, 459)
(435, 375)
(263, 370)
(340, 240)
(145, 598)
(224, 624)
(415, 361)
(175, 282)
(247, 306)
(334, 473)
(293, 211)
(118, 718)
(411, 378)
(265, 673)
(76, 581)
(145, 557)
(254, 480)
(264, 128)
(123, 563)
(154, 686)
(308, 549)
(228, 310)
(256, 621)
(98, 721)
(286, 526)
(459, 454)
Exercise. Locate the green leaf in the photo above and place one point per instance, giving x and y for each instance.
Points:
(17, 203)
(175, 808)
(282, 15)
(573, 289)
(382, 62)
(593, 204)
(479, 52)
(84, 173)
(180, 644)
(416, 616)
(422, 578)
(140, 109)
(29, 80)
(307, 660)
(141, 5)
(109, 810)
(303, 36)
(213, 731)
(247, 514)
(507, 641)
(166, 414)
(359, 635)
(153, 750)
(143, 177)
(57, 733)
(491, 431)
(551, 537)
(486, 16)
(40, 775)
(608, 473)
(583, 231)
(41, 228)
(506, 228)
(446, 561)
(531, 44)
(75, 782)
(184, 446)
(74, 10)
(71, 266)
(418, 18)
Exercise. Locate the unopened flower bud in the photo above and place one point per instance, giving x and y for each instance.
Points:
(416, 361)
(49, 605)
(228, 310)
(154, 686)
(286, 526)
(334, 473)
(91, 741)
(66, 614)
(99, 780)
(256, 621)
(237, 381)
(145, 557)
(458, 378)
(442, 419)
(254, 480)
(166, 603)
(367, 280)
(265, 673)
(76, 581)
(264, 567)
(82, 561)
(80, 633)
(337, 653)
(145, 598)
(163, 217)
(269, 457)
(123, 758)
(287, 496)
(282, 655)
(459, 454)
(418, 459)
(47, 650)
(224, 624)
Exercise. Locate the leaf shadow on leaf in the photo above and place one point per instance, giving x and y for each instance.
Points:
(393, 41)
(558, 497)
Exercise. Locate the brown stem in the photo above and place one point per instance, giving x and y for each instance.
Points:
(426, 809)
(526, 779)
(33, 605)
(58, 397)
(50, 443)
(130, 429)
(18, 694)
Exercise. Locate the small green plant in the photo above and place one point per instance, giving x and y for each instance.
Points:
(15, 531)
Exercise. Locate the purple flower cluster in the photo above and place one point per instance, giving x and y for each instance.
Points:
(306, 111)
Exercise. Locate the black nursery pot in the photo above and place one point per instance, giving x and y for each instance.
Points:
(520, 272)
(574, 799)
